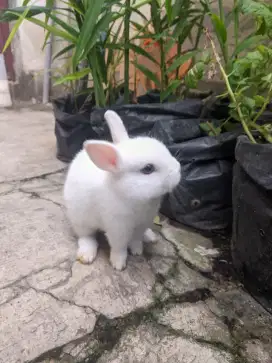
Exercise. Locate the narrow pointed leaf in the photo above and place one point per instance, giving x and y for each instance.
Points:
(54, 30)
(14, 29)
(140, 51)
(150, 75)
(155, 15)
(259, 9)
(168, 8)
(101, 25)
(73, 76)
(87, 30)
(170, 89)
(180, 61)
(113, 41)
(247, 43)
(49, 4)
(63, 51)
(219, 28)
(71, 30)
(136, 11)
(13, 14)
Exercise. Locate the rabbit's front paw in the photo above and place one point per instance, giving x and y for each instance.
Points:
(118, 259)
(136, 248)
(150, 236)
(87, 250)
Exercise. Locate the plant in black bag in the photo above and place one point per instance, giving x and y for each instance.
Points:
(249, 86)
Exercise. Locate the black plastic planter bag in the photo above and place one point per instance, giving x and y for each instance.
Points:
(78, 120)
(203, 198)
(252, 217)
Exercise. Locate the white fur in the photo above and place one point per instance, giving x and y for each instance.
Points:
(117, 198)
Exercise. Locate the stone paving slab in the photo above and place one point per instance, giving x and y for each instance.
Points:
(27, 148)
(171, 305)
(162, 348)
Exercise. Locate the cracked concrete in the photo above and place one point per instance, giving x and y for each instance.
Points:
(161, 347)
(173, 304)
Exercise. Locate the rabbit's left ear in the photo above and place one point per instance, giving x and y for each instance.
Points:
(103, 154)
(116, 126)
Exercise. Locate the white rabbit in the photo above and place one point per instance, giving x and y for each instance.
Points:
(117, 188)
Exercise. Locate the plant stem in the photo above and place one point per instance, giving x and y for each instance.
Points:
(263, 106)
(213, 129)
(126, 51)
(236, 23)
(263, 132)
(178, 55)
(221, 10)
(163, 67)
(231, 94)
(162, 52)
(224, 47)
(199, 32)
(136, 6)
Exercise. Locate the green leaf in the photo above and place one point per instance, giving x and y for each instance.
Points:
(86, 91)
(182, 31)
(13, 14)
(99, 92)
(220, 29)
(64, 25)
(155, 16)
(230, 126)
(205, 57)
(179, 61)
(248, 43)
(268, 78)
(136, 11)
(194, 75)
(14, 29)
(63, 51)
(52, 29)
(88, 29)
(101, 66)
(46, 38)
(113, 41)
(168, 8)
(170, 89)
(248, 102)
(49, 4)
(170, 44)
(150, 75)
(259, 100)
(101, 25)
(141, 51)
(76, 6)
(259, 9)
(73, 76)
(157, 221)
(210, 128)
(140, 27)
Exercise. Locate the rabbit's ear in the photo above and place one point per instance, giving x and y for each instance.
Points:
(103, 154)
(116, 126)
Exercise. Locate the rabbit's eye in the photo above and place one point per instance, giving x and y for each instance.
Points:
(148, 169)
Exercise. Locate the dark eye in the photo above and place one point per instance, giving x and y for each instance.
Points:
(148, 169)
